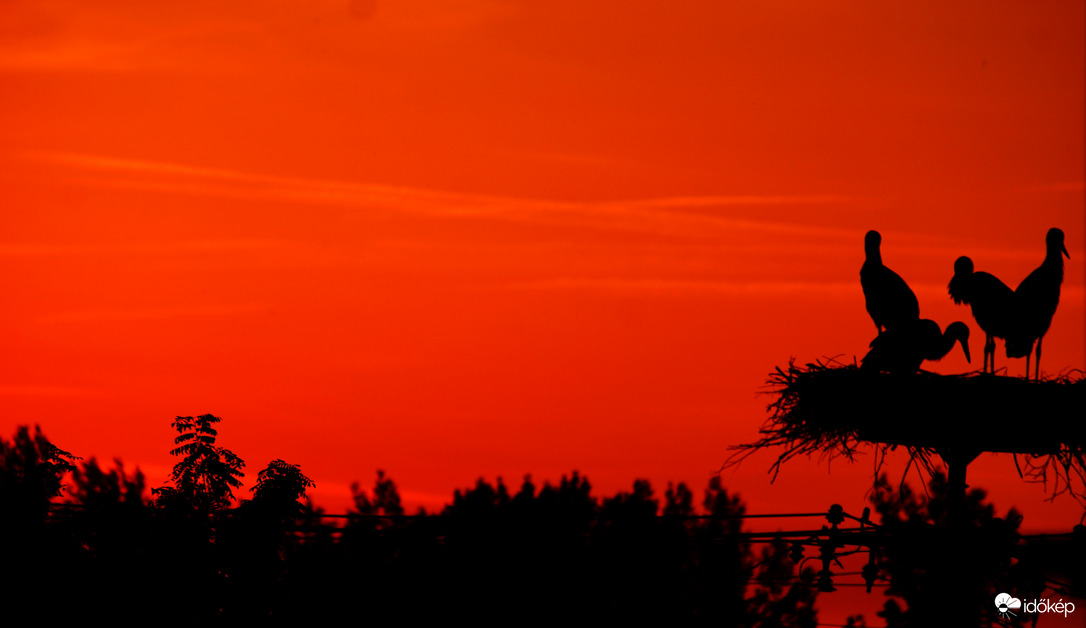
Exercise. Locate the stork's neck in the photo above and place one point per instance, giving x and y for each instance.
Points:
(1054, 262)
(874, 255)
(947, 344)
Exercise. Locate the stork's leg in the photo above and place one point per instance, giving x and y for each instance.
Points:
(989, 352)
(1037, 369)
(1027, 364)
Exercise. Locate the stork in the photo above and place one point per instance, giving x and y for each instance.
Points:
(991, 300)
(902, 350)
(890, 301)
(1036, 299)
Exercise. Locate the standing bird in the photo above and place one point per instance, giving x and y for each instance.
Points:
(890, 301)
(992, 302)
(1036, 299)
(902, 350)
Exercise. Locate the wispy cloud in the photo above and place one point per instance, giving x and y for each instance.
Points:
(148, 313)
(47, 390)
(708, 202)
(664, 216)
(34, 249)
(1061, 186)
(736, 288)
(688, 286)
(711, 222)
(112, 37)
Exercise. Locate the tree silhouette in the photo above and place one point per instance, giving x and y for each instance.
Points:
(205, 478)
(30, 472)
(193, 517)
(722, 565)
(253, 541)
(781, 599)
(38, 553)
(280, 487)
(555, 553)
(385, 500)
(115, 534)
(95, 488)
(948, 571)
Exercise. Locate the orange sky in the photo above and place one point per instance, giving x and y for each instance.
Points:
(482, 237)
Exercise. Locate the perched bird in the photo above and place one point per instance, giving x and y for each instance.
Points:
(991, 300)
(1036, 299)
(890, 301)
(902, 350)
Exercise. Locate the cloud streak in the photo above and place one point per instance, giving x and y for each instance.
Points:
(149, 313)
(932, 292)
(46, 390)
(691, 286)
(664, 216)
(36, 249)
(709, 218)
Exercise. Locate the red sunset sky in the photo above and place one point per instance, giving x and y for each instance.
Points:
(454, 239)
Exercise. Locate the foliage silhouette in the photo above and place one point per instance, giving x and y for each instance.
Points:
(205, 478)
(775, 604)
(385, 500)
(948, 572)
(30, 474)
(253, 542)
(280, 487)
(115, 535)
(95, 488)
(554, 552)
(38, 549)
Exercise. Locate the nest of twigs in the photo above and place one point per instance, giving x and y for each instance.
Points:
(831, 409)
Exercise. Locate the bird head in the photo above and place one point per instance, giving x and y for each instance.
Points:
(959, 286)
(963, 266)
(1054, 241)
(872, 241)
(959, 331)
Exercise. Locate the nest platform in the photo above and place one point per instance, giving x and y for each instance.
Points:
(831, 409)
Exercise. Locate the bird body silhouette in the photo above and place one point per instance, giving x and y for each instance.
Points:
(902, 350)
(890, 301)
(992, 302)
(1036, 299)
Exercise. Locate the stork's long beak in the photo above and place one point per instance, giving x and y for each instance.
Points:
(965, 348)
(1065, 253)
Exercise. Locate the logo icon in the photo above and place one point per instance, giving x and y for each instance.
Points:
(1006, 605)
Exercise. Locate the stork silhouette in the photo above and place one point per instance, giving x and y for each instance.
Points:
(1036, 299)
(902, 350)
(991, 300)
(890, 301)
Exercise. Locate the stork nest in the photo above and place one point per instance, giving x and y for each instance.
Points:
(831, 409)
